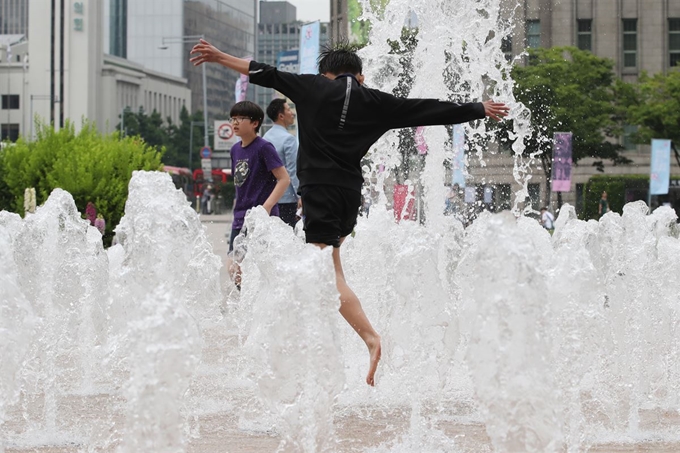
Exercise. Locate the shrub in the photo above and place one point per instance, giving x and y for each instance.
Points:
(90, 166)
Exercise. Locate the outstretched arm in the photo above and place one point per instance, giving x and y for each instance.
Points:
(495, 110)
(406, 112)
(207, 53)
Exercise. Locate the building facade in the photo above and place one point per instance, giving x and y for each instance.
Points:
(637, 35)
(13, 17)
(156, 33)
(339, 25)
(276, 38)
(72, 79)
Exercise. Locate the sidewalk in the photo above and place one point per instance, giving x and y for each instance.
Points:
(226, 217)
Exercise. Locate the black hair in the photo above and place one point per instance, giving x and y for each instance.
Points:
(249, 110)
(340, 57)
(276, 107)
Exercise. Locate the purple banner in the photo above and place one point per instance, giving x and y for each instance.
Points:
(561, 164)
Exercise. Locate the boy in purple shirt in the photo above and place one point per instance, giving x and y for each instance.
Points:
(259, 175)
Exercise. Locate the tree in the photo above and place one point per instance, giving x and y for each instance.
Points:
(360, 29)
(653, 104)
(569, 90)
(173, 141)
(91, 167)
(405, 48)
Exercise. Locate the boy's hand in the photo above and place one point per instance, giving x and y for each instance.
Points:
(496, 110)
(208, 53)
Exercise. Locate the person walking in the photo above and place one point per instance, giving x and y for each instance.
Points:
(287, 148)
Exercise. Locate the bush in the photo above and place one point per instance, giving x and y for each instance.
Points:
(88, 165)
(616, 187)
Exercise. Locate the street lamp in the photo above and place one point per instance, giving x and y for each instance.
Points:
(184, 40)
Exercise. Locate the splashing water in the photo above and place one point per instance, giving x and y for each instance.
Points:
(498, 337)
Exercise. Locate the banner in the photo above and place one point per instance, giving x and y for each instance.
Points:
(458, 155)
(421, 145)
(288, 61)
(241, 88)
(404, 202)
(309, 47)
(561, 164)
(661, 167)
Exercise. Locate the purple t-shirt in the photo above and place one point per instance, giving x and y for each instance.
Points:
(251, 168)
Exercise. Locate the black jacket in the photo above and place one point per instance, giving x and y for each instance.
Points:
(339, 120)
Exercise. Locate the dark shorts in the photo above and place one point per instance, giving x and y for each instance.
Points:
(330, 213)
(287, 213)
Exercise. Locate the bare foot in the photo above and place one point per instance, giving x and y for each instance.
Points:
(374, 351)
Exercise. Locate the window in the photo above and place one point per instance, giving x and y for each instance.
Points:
(504, 196)
(628, 132)
(673, 42)
(10, 101)
(533, 33)
(629, 43)
(585, 34)
(9, 132)
(535, 195)
(506, 47)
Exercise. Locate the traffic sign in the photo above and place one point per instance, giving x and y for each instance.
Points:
(206, 153)
(224, 135)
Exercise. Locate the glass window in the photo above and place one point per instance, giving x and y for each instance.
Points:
(506, 47)
(628, 132)
(585, 34)
(504, 196)
(533, 33)
(535, 195)
(673, 42)
(9, 132)
(629, 43)
(10, 101)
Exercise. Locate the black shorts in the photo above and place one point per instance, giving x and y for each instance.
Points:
(330, 213)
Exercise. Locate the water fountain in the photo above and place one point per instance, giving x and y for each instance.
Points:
(497, 337)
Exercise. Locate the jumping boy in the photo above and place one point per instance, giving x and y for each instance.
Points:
(340, 120)
(259, 175)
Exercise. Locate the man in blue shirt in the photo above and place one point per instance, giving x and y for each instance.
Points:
(287, 146)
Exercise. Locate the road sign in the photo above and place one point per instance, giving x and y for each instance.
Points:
(224, 136)
(206, 166)
(206, 153)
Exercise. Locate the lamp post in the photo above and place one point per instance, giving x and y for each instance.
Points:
(184, 40)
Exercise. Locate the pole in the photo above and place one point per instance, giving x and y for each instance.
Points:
(191, 147)
(205, 108)
(32, 121)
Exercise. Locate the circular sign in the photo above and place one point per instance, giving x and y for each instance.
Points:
(225, 131)
(205, 152)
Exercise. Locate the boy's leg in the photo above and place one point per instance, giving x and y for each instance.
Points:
(233, 268)
(351, 310)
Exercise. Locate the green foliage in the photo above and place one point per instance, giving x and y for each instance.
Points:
(616, 187)
(360, 29)
(405, 48)
(653, 104)
(570, 90)
(88, 165)
(172, 140)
